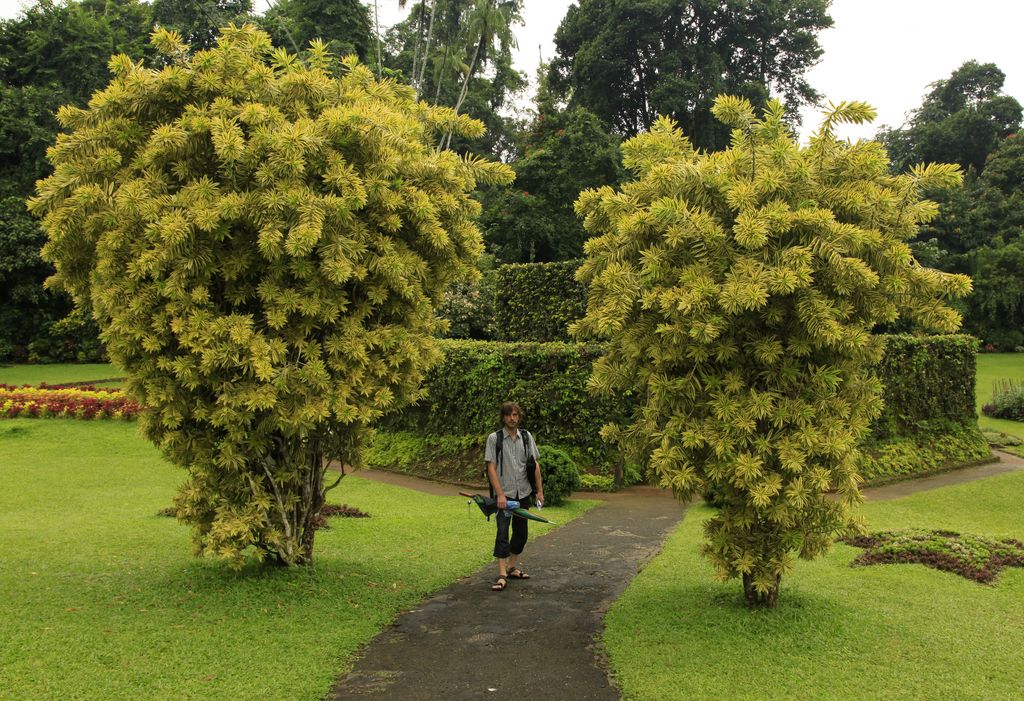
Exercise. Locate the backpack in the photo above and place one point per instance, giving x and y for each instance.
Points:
(531, 462)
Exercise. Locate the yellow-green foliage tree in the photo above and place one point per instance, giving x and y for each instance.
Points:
(738, 291)
(263, 242)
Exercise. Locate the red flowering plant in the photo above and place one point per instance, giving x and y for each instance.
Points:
(86, 402)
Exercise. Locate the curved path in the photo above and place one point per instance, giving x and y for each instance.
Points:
(539, 639)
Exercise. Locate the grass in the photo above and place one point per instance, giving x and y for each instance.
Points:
(878, 632)
(992, 367)
(58, 374)
(102, 599)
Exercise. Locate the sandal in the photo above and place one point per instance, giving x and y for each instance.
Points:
(517, 573)
(500, 583)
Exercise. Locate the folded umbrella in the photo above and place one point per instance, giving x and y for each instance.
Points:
(489, 506)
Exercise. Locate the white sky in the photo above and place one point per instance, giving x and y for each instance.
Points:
(884, 52)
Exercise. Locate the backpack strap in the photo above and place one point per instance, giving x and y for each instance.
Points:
(498, 444)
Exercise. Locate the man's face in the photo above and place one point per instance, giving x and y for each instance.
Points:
(511, 420)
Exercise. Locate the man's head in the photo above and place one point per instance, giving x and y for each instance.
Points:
(510, 415)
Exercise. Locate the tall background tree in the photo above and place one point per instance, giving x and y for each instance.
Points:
(51, 55)
(629, 62)
(961, 120)
(343, 24)
(563, 152)
(969, 120)
(458, 53)
(198, 21)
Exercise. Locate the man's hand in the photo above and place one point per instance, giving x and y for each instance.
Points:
(540, 495)
(502, 502)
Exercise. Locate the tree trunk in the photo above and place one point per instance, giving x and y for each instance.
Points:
(301, 519)
(313, 502)
(756, 599)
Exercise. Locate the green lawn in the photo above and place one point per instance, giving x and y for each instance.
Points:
(881, 632)
(992, 367)
(102, 599)
(57, 374)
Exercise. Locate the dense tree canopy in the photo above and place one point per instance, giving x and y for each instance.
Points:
(967, 119)
(564, 153)
(737, 291)
(980, 232)
(263, 241)
(343, 24)
(961, 120)
(199, 21)
(630, 61)
(50, 55)
(68, 45)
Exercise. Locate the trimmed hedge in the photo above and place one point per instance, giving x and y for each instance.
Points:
(926, 380)
(929, 420)
(538, 301)
(548, 380)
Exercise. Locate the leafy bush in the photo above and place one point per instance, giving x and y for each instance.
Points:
(1007, 401)
(450, 458)
(1002, 440)
(469, 308)
(75, 338)
(597, 483)
(263, 241)
(737, 291)
(561, 476)
(933, 447)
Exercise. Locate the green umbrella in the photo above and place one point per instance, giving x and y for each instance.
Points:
(489, 506)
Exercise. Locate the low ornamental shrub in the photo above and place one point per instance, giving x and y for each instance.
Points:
(78, 403)
(597, 483)
(1007, 401)
(342, 510)
(935, 447)
(561, 476)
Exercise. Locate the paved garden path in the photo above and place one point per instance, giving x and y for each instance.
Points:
(539, 639)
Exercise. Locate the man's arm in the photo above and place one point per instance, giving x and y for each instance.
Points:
(492, 476)
(538, 480)
(540, 483)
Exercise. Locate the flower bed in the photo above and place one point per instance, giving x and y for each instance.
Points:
(969, 556)
(84, 402)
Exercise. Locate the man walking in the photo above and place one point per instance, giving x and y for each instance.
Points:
(513, 470)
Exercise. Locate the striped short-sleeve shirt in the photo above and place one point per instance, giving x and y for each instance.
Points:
(512, 470)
